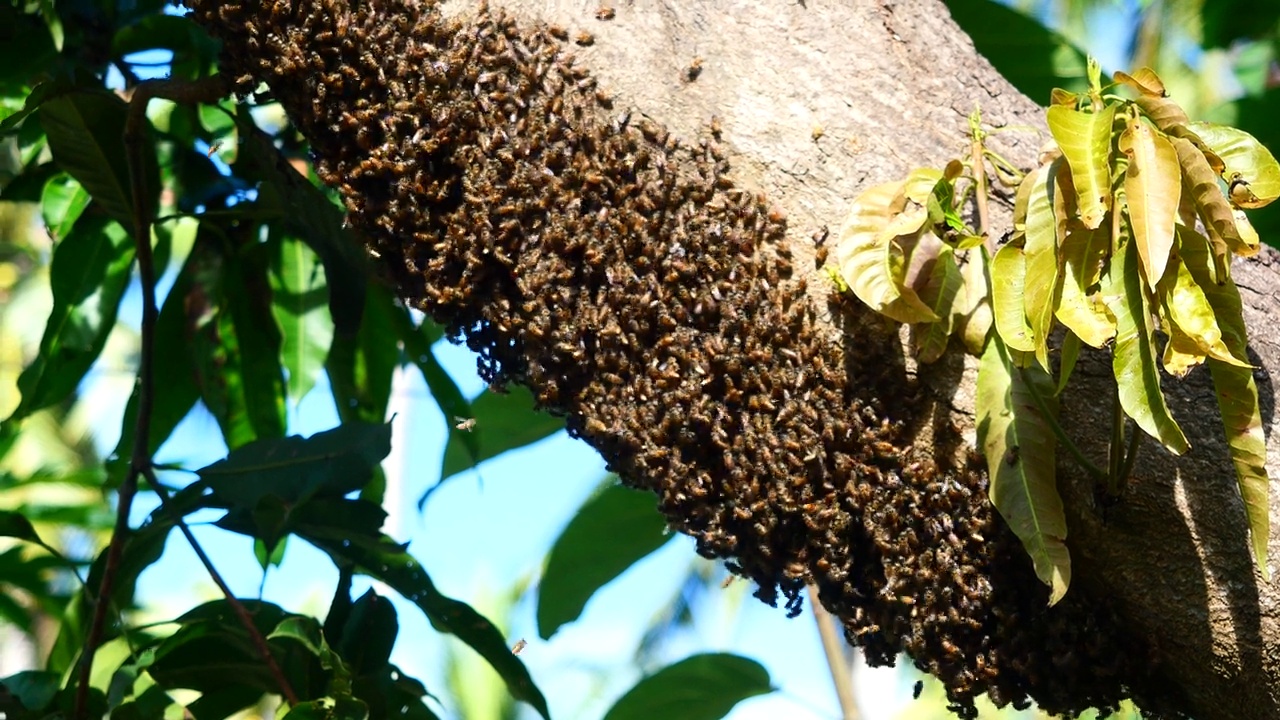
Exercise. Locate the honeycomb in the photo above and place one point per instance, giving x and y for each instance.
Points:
(617, 271)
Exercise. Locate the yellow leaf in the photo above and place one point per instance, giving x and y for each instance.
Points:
(939, 291)
(973, 304)
(1083, 311)
(1199, 180)
(1251, 169)
(1008, 283)
(1085, 139)
(870, 257)
(1041, 253)
(1153, 189)
(1187, 309)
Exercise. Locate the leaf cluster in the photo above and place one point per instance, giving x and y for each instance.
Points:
(1122, 238)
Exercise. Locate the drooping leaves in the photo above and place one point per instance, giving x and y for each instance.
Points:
(1080, 306)
(1252, 174)
(1019, 446)
(941, 288)
(1008, 282)
(1152, 189)
(1085, 139)
(610, 533)
(870, 258)
(1134, 353)
(1039, 294)
(1200, 182)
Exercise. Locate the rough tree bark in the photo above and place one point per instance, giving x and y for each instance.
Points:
(817, 99)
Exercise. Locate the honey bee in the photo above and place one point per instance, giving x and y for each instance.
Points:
(605, 12)
(692, 72)
(464, 424)
(585, 38)
(213, 148)
(518, 647)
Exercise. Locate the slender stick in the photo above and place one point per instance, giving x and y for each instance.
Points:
(1117, 445)
(834, 647)
(206, 90)
(980, 177)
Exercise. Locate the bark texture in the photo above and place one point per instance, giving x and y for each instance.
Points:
(814, 100)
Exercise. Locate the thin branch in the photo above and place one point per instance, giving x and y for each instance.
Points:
(207, 90)
(834, 648)
(978, 158)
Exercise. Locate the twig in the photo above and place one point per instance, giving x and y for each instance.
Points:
(206, 90)
(980, 177)
(834, 648)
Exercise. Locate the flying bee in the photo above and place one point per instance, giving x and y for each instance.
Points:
(518, 647)
(463, 424)
(213, 148)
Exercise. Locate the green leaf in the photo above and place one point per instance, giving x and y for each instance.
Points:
(15, 525)
(61, 204)
(1085, 139)
(504, 421)
(299, 301)
(1008, 281)
(1040, 290)
(369, 634)
(1153, 190)
(34, 689)
(973, 306)
(1034, 58)
(872, 261)
(328, 709)
(700, 687)
(940, 290)
(1070, 353)
(303, 629)
(1134, 353)
(1251, 169)
(610, 532)
(1019, 446)
(247, 303)
(88, 276)
(1237, 394)
(86, 135)
(294, 469)
(384, 560)
(361, 366)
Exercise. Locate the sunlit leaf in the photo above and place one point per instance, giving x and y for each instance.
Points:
(1154, 100)
(609, 533)
(88, 275)
(1199, 180)
(1185, 305)
(300, 303)
(919, 185)
(1251, 243)
(1019, 446)
(1008, 282)
(1134, 353)
(972, 304)
(1083, 311)
(939, 292)
(870, 259)
(1041, 261)
(1153, 190)
(1069, 354)
(1085, 139)
(1251, 169)
(1237, 393)
(701, 687)
(61, 204)
(1034, 58)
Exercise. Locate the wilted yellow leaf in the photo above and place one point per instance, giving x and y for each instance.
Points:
(1251, 169)
(1008, 284)
(1039, 293)
(1187, 310)
(1082, 311)
(870, 258)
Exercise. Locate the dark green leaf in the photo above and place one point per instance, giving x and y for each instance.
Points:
(328, 709)
(361, 366)
(1036, 60)
(89, 273)
(331, 463)
(702, 687)
(609, 534)
(504, 421)
(247, 296)
(369, 634)
(387, 561)
(302, 629)
(35, 689)
(15, 525)
(86, 134)
(223, 702)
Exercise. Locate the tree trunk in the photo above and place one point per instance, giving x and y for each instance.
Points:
(816, 100)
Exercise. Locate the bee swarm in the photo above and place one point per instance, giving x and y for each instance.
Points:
(619, 273)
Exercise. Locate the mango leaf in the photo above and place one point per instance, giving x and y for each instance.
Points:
(332, 463)
(1084, 312)
(1144, 80)
(1085, 139)
(1069, 354)
(384, 560)
(1181, 353)
(1041, 262)
(90, 270)
(1251, 243)
(504, 421)
(361, 366)
(1019, 446)
(300, 303)
(1133, 359)
(1008, 281)
(701, 687)
(1251, 169)
(61, 203)
(1186, 306)
(86, 133)
(973, 304)
(1237, 396)
(610, 532)
(1199, 180)
(872, 262)
(940, 290)
(1153, 189)
(328, 708)
(1154, 101)
(920, 185)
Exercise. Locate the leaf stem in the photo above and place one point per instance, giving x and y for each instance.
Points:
(1117, 445)
(977, 156)
(1131, 455)
(834, 648)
